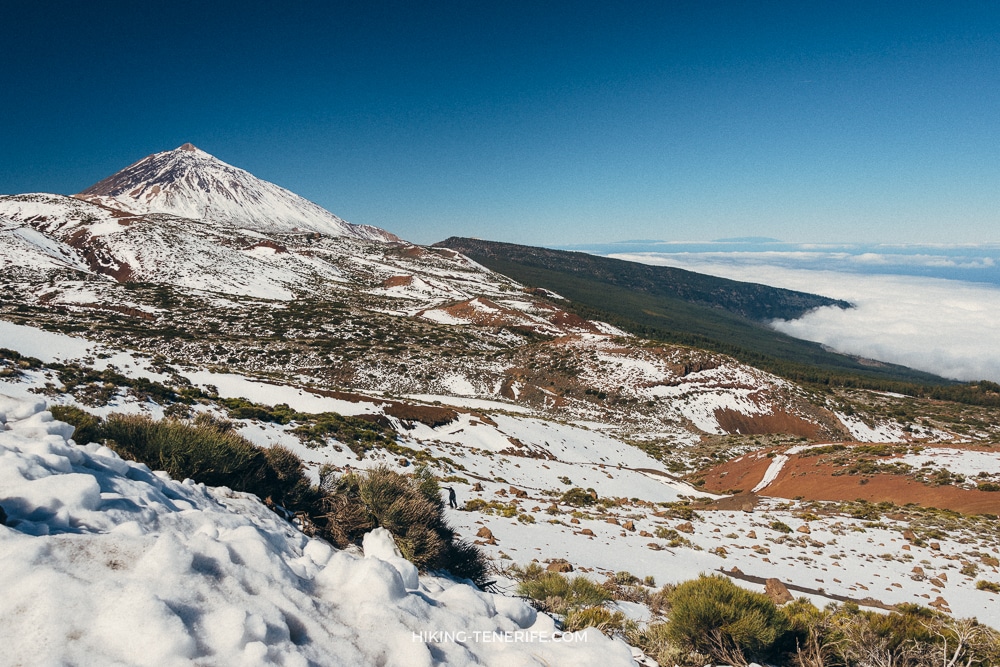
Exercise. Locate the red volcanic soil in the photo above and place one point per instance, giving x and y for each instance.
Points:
(779, 421)
(742, 473)
(397, 281)
(807, 478)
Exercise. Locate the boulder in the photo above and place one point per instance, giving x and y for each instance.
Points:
(804, 528)
(559, 565)
(485, 533)
(629, 525)
(940, 604)
(776, 591)
(587, 531)
(685, 527)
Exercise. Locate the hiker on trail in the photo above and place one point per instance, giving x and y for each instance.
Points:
(452, 500)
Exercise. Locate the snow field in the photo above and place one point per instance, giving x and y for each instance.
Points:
(105, 562)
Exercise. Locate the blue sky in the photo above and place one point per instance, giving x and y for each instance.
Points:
(546, 123)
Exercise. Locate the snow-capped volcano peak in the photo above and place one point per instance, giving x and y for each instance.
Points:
(190, 183)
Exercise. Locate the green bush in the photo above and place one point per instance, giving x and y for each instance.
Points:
(607, 621)
(341, 510)
(714, 616)
(780, 526)
(553, 592)
(88, 426)
(577, 497)
(202, 452)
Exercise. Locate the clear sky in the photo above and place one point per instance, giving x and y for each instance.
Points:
(537, 122)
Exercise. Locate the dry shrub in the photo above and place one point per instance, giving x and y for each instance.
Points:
(409, 507)
(607, 621)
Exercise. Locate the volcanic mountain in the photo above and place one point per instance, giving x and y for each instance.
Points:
(190, 183)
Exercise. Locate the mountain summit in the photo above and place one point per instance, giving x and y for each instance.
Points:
(190, 183)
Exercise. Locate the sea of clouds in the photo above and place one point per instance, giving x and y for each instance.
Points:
(936, 309)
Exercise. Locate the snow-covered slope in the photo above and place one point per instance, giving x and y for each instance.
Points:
(190, 183)
(106, 562)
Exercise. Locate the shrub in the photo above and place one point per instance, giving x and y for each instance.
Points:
(780, 526)
(201, 452)
(712, 615)
(625, 578)
(675, 538)
(991, 586)
(607, 621)
(88, 426)
(341, 509)
(654, 640)
(577, 497)
(409, 507)
(555, 593)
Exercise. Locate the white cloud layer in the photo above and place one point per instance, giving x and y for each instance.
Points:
(947, 327)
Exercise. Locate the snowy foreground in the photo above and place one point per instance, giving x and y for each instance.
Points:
(104, 562)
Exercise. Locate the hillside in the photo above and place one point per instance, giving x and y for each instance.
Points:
(685, 307)
(752, 301)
